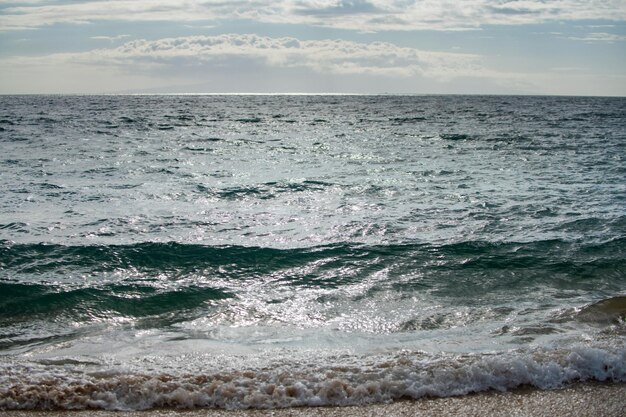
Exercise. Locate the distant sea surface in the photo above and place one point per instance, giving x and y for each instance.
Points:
(275, 251)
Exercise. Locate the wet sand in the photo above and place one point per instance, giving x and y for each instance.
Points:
(581, 400)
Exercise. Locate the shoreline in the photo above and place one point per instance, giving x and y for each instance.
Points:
(582, 399)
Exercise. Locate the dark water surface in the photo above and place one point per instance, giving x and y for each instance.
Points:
(272, 251)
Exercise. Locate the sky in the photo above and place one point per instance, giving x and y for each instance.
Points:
(562, 47)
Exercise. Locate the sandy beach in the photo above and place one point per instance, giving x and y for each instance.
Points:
(585, 399)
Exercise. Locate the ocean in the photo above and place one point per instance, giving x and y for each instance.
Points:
(271, 251)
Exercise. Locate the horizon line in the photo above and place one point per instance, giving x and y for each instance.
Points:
(317, 94)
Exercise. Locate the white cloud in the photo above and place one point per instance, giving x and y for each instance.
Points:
(323, 56)
(361, 15)
(252, 63)
(234, 62)
(109, 38)
(599, 37)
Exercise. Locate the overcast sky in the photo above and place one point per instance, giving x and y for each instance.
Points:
(573, 47)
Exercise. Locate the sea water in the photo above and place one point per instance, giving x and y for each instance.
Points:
(274, 251)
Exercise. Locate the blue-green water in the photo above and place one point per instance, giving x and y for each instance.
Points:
(272, 251)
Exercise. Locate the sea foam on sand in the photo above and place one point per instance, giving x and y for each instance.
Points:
(581, 400)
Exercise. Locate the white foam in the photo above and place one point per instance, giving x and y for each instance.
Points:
(381, 379)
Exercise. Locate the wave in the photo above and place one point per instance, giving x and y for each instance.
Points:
(547, 256)
(35, 300)
(264, 191)
(172, 282)
(43, 257)
(73, 384)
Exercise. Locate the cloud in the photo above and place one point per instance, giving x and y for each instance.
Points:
(109, 38)
(116, 10)
(235, 62)
(322, 56)
(253, 63)
(599, 37)
(361, 15)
